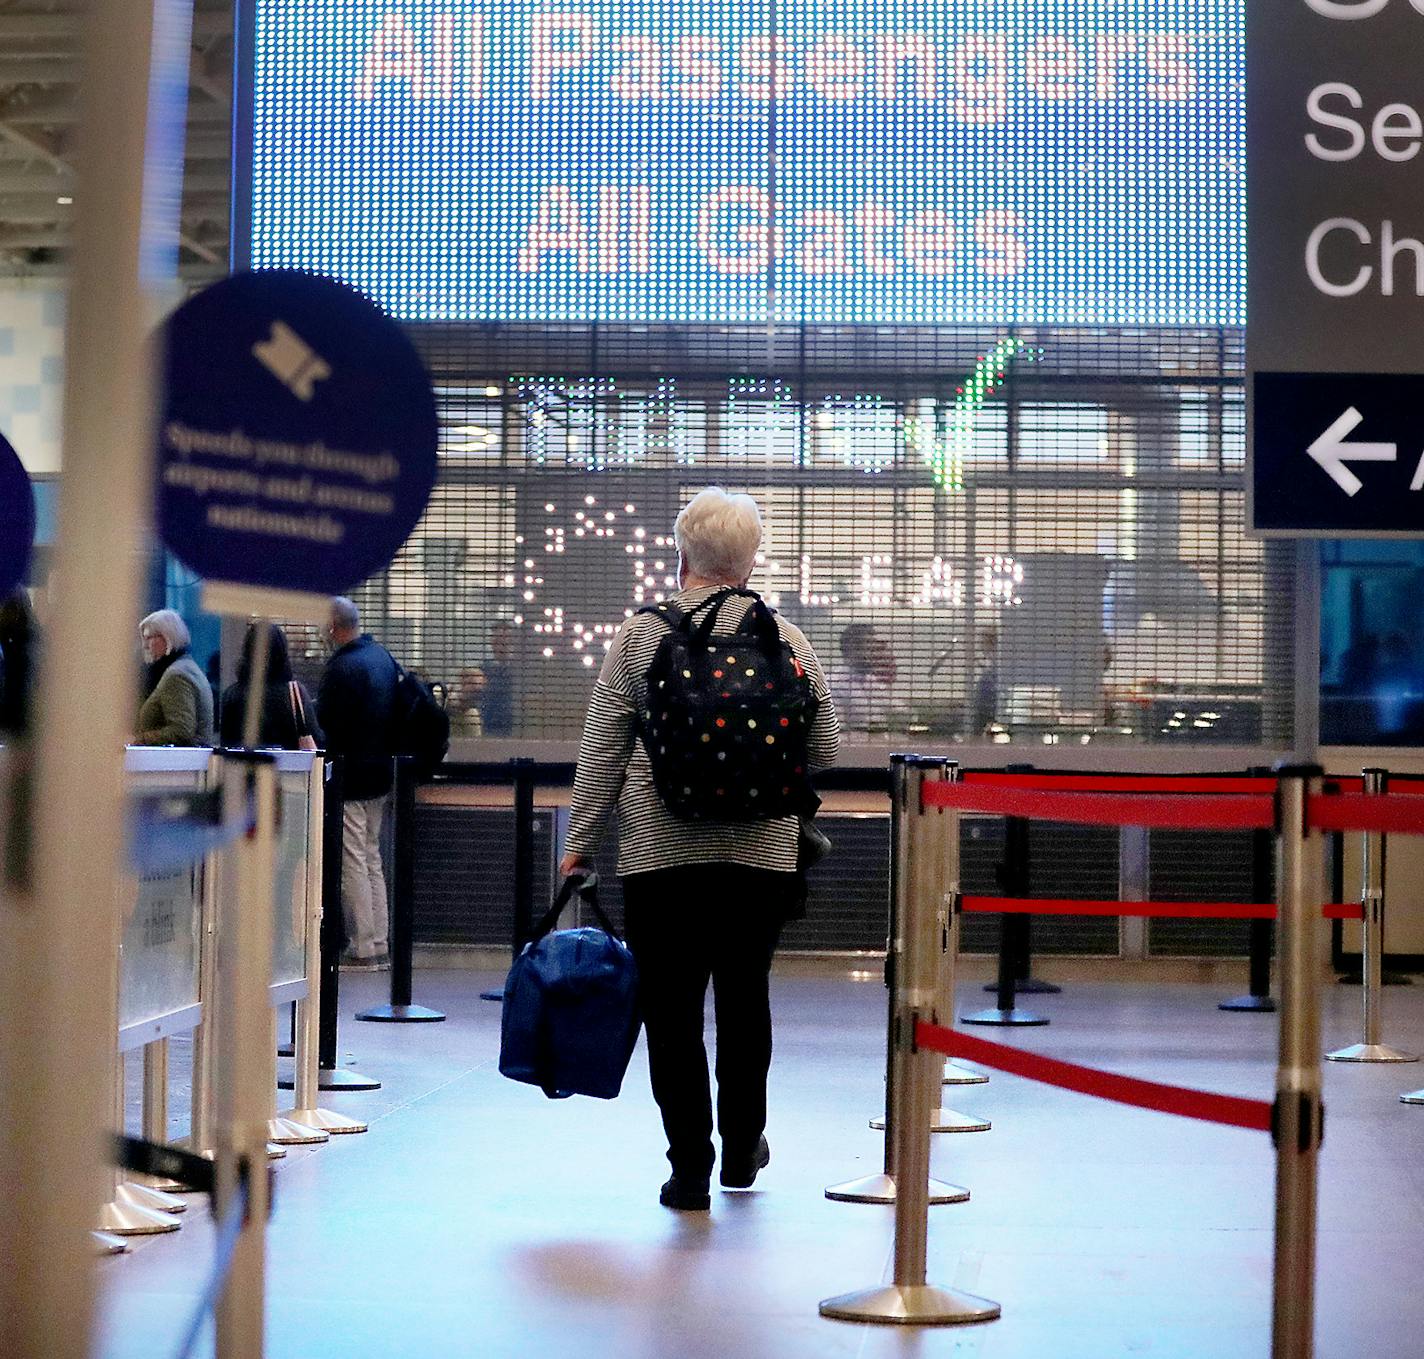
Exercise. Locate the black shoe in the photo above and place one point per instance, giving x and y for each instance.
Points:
(685, 1194)
(740, 1172)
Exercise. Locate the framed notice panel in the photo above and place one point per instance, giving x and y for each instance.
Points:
(827, 161)
(1335, 345)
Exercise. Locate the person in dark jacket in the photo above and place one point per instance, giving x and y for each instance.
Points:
(19, 640)
(177, 708)
(288, 709)
(354, 705)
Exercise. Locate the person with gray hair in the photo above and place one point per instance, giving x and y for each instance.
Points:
(355, 706)
(177, 707)
(704, 900)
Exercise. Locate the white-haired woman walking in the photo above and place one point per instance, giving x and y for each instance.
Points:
(705, 899)
(177, 708)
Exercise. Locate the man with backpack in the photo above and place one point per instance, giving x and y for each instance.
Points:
(355, 707)
(708, 717)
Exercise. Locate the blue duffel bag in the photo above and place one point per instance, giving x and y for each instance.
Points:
(571, 1005)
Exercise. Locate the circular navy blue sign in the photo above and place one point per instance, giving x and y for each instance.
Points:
(297, 447)
(17, 518)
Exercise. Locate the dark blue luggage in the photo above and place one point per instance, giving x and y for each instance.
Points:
(571, 1005)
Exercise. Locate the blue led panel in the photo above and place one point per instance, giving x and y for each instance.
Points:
(982, 162)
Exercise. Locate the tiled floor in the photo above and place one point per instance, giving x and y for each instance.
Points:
(478, 1219)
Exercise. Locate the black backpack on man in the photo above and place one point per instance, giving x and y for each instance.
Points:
(727, 719)
(420, 726)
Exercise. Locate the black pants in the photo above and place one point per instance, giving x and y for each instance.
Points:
(686, 926)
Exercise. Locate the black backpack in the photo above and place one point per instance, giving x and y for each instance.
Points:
(420, 726)
(727, 719)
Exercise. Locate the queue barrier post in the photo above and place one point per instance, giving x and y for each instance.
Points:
(1014, 935)
(1372, 896)
(402, 1009)
(155, 1116)
(1261, 934)
(923, 930)
(1018, 931)
(135, 1209)
(880, 1188)
(949, 1120)
(331, 938)
(242, 1095)
(306, 1075)
(1298, 1118)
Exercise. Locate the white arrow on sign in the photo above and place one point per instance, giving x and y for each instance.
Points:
(1332, 452)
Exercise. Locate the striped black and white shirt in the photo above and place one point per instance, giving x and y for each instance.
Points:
(613, 767)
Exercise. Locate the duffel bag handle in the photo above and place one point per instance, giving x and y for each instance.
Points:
(586, 885)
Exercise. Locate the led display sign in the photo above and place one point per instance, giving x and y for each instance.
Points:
(828, 161)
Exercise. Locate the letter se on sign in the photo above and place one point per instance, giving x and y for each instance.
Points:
(1395, 131)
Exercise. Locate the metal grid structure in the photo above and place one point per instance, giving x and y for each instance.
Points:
(1043, 527)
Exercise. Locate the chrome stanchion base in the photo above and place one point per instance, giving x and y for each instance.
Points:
(1370, 1052)
(159, 1183)
(1413, 1097)
(285, 1132)
(954, 1074)
(1261, 1005)
(400, 1014)
(106, 1244)
(118, 1218)
(911, 1305)
(335, 1078)
(1014, 1018)
(946, 1121)
(1029, 986)
(142, 1196)
(881, 1189)
(274, 1152)
(327, 1120)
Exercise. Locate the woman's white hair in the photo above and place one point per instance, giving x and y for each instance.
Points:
(168, 625)
(718, 535)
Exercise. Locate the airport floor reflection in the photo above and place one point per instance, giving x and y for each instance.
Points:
(477, 1218)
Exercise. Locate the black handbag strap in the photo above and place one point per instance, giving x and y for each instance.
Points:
(586, 885)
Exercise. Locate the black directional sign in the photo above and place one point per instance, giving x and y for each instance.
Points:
(1339, 453)
(1335, 213)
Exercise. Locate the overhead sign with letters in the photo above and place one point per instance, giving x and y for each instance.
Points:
(297, 445)
(1074, 162)
(1335, 297)
(17, 518)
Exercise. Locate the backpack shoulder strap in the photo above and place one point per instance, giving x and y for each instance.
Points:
(673, 615)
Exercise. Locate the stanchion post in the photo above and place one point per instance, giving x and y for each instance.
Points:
(1014, 933)
(401, 1010)
(944, 1120)
(1372, 895)
(1261, 934)
(523, 853)
(244, 1042)
(881, 1188)
(200, 1126)
(330, 1074)
(921, 936)
(522, 780)
(1298, 1121)
(307, 1039)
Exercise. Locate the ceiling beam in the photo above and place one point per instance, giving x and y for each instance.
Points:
(211, 71)
(45, 145)
(22, 70)
(56, 31)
